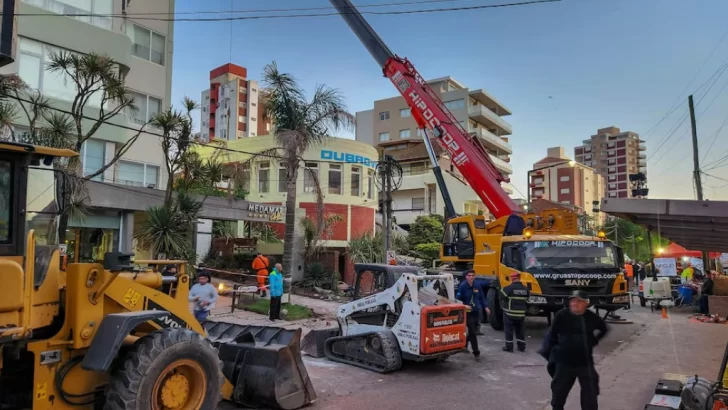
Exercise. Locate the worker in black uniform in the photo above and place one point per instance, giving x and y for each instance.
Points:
(514, 300)
(574, 333)
(471, 295)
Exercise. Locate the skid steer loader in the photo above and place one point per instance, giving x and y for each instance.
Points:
(396, 314)
(108, 336)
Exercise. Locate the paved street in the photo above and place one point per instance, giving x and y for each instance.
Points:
(631, 359)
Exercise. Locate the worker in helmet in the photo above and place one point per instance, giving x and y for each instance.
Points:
(514, 301)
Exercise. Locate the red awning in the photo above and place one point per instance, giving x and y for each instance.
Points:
(676, 251)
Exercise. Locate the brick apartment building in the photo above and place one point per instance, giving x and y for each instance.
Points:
(615, 155)
(558, 179)
(231, 107)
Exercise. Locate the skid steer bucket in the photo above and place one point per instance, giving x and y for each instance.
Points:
(313, 343)
(263, 364)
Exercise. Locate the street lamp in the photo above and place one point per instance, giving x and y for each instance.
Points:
(571, 163)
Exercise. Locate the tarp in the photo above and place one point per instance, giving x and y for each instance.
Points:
(676, 251)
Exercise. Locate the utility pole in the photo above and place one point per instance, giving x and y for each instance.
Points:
(696, 169)
(388, 193)
(385, 214)
(616, 231)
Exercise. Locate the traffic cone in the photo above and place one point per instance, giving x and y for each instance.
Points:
(664, 312)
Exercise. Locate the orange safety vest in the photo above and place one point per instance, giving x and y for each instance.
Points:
(628, 268)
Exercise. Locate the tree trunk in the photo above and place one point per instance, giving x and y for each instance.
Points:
(289, 238)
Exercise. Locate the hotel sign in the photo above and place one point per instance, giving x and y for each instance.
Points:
(349, 158)
(269, 213)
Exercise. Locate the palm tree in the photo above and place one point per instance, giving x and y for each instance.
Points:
(299, 124)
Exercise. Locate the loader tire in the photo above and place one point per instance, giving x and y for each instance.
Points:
(168, 368)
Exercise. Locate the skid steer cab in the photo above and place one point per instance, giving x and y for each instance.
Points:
(116, 335)
(397, 313)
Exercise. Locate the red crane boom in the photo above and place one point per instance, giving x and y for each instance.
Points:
(465, 151)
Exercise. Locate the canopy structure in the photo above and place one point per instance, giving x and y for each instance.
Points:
(676, 251)
(696, 225)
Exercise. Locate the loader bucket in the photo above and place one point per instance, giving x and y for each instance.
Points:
(314, 341)
(263, 364)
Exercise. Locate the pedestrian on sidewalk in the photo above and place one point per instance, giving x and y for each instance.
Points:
(261, 264)
(204, 295)
(515, 299)
(275, 286)
(472, 296)
(574, 333)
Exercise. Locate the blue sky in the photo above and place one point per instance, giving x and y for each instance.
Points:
(604, 62)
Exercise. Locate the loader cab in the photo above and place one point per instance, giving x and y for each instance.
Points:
(373, 278)
(31, 196)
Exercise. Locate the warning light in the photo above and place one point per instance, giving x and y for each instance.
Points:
(528, 232)
(601, 234)
(221, 287)
(661, 251)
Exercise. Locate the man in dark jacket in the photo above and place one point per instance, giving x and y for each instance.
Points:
(574, 332)
(472, 296)
(514, 302)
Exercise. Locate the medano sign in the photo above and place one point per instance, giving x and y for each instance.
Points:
(273, 213)
(328, 155)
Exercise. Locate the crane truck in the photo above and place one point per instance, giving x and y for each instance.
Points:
(546, 248)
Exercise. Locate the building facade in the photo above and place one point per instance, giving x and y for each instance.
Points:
(230, 108)
(345, 172)
(615, 155)
(390, 127)
(141, 46)
(559, 179)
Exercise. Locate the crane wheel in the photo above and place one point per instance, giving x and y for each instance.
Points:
(496, 314)
(167, 369)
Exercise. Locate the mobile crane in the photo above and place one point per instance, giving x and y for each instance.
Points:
(545, 247)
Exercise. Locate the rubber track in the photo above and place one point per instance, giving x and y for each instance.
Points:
(389, 351)
(126, 379)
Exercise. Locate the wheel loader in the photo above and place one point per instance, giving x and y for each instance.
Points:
(113, 335)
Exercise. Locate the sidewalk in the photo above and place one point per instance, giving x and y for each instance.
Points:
(628, 375)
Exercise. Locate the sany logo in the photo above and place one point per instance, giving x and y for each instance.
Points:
(458, 156)
(577, 282)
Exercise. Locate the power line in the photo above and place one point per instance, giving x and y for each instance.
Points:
(287, 16)
(715, 138)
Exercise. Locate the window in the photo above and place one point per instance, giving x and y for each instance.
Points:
(245, 177)
(565, 190)
(384, 115)
(404, 133)
(147, 44)
(564, 178)
(282, 177)
(137, 174)
(370, 184)
(263, 177)
(241, 119)
(253, 90)
(405, 113)
(33, 59)
(455, 104)
(147, 108)
(420, 133)
(383, 136)
(252, 118)
(6, 193)
(335, 179)
(310, 177)
(94, 158)
(94, 12)
(418, 204)
(355, 181)
(242, 104)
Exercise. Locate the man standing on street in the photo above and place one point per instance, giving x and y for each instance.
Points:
(470, 294)
(515, 299)
(574, 333)
(275, 280)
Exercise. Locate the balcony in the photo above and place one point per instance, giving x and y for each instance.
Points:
(642, 156)
(492, 142)
(483, 115)
(642, 147)
(502, 166)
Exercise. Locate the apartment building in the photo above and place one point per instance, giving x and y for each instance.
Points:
(231, 108)
(144, 48)
(559, 179)
(390, 126)
(615, 155)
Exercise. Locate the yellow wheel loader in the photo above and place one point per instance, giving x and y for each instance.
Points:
(116, 336)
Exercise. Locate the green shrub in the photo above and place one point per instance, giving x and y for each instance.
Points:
(428, 252)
